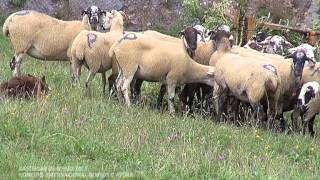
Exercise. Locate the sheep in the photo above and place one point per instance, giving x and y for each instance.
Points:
(44, 37)
(91, 49)
(308, 92)
(154, 60)
(251, 85)
(272, 44)
(189, 36)
(203, 33)
(313, 108)
(26, 86)
(202, 56)
(278, 79)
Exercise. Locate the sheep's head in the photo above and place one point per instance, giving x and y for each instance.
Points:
(190, 36)
(275, 44)
(95, 16)
(221, 36)
(202, 32)
(308, 49)
(260, 36)
(299, 58)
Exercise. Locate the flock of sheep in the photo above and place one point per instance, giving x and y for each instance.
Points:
(206, 64)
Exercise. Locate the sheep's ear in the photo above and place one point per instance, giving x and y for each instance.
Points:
(292, 50)
(84, 12)
(288, 44)
(103, 12)
(289, 56)
(181, 33)
(124, 15)
(211, 33)
(310, 60)
(211, 71)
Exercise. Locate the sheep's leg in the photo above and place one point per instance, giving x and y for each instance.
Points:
(104, 82)
(111, 80)
(88, 83)
(310, 126)
(15, 64)
(171, 92)
(294, 119)
(219, 96)
(124, 88)
(75, 71)
(160, 96)
(282, 122)
(187, 96)
(258, 111)
(136, 90)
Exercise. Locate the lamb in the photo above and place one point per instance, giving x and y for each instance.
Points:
(308, 92)
(272, 44)
(203, 33)
(91, 49)
(277, 79)
(26, 86)
(154, 60)
(44, 37)
(313, 108)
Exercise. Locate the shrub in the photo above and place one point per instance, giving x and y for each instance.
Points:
(18, 3)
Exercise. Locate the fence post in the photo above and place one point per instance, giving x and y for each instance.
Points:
(250, 25)
(312, 38)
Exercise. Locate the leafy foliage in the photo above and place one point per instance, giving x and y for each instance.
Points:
(18, 3)
(210, 18)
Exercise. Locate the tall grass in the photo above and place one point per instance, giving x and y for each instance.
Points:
(99, 134)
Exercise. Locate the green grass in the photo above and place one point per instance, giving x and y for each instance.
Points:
(98, 134)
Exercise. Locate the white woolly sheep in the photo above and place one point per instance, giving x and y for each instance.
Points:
(154, 60)
(44, 37)
(203, 33)
(313, 108)
(91, 49)
(307, 93)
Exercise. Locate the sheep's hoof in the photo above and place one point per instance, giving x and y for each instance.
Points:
(12, 63)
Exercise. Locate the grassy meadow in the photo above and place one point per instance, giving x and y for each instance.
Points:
(68, 132)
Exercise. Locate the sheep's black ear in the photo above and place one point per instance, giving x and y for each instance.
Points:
(181, 33)
(310, 60)
(289, 56)
(211, 33)
(84, 12)
(102, 11)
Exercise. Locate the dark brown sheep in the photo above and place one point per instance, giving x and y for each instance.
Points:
(26, 86)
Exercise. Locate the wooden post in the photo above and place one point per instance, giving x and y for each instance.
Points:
(312, 38)
(249, 27)
(251, 24)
